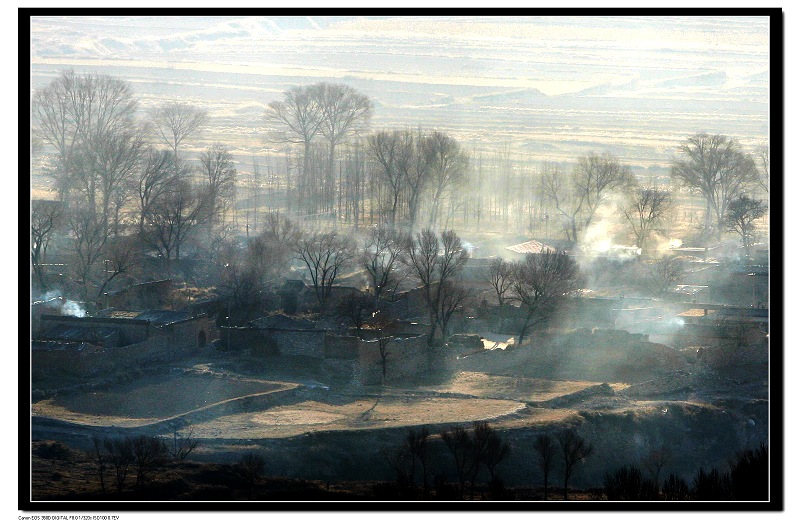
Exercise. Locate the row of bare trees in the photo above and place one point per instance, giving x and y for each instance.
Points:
(477, 449)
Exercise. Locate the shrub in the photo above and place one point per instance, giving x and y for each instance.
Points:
(627, 483)
(675, 488)
(52, 451)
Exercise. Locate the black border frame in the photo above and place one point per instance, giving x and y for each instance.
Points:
(776, 367)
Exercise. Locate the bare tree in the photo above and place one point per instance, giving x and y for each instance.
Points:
(219, 178)
(297, 119)
(418, 444)
(453, 295)
(384, 326)
(655, 462)
(271, 250)
(499, 275)
(448, 167)
(239, 277)
(741, 216)
(574, 448)
(148, 452)
(46, 218)
(461, 446)
(120, 257)
(100, 457)
(182, 446)
(325, 255)
(763, 167)
(645, 211)
(717, 167)
(436, 264)
(89, 120)
(250, 466)
(540, 283)
(89, 235)
(120, 455)
(497, 450)
(175, 121)
(356, 308)
(380, 257)
(174, 216)
(665, 272)
(392, 150)
(546, 449)
(155, 176)
(578, 196)
(345, 112)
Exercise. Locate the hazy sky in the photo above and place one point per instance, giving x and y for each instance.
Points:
(548, 87)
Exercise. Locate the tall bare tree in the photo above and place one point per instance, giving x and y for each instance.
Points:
(763, 167)
(500, 276)
(448, 166)
(391, 150)
(297, 119)
(89, 120)
(219, 178)
(345, 113)
(574, 448)
(540, 283)
(578, 196)
(460, 444)
(436, 263)
(89, 235)
(271, 250)
(174, 216)
(155, 176)
(645, 211)
(546, 451)
(665, 272)
(717, 167)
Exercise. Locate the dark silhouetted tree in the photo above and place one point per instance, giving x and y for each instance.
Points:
(540, 283)
(436, 263)
(325, 255)
(148, 452)
(250, 466)
(574, 449)
(546, 451)
(460, 444)
(749, 475)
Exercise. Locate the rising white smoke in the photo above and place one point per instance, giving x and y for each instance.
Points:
(70, 308)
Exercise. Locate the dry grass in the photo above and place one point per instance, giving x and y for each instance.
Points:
(511, 387)
(384, 412)
(150, 400)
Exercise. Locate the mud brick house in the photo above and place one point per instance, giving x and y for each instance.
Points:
(408, 356)
(116, 338)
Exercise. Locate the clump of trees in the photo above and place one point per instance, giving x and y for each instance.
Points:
(437, 261)
(746, 479)
(119, 192)
(475, 450)
(719, 169)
